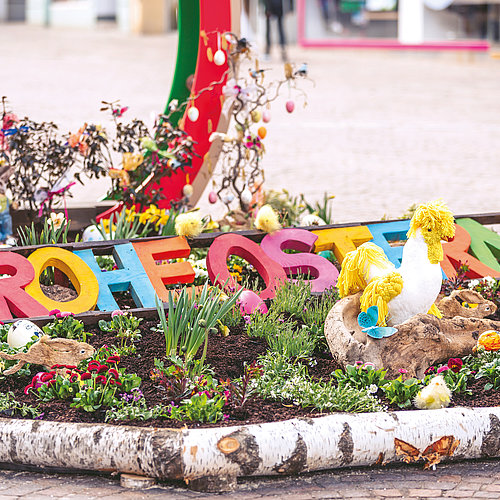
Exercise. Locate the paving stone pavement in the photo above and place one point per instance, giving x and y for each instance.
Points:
(465, 480)
(382, 129)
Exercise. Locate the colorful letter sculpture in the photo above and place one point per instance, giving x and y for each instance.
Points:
(130, 275)
(142, 266)
(165, 274)
(323, 271)
(234, 244)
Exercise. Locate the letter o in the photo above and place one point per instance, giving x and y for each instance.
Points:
(79, 273)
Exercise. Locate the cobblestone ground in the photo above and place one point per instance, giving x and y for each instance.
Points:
(465, 480)
(382, 129)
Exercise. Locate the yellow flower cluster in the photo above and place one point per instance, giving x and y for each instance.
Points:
(236, 273)
(153, 214)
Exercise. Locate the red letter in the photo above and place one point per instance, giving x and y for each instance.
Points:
(455, 253)
(12, 295)
(234, 244)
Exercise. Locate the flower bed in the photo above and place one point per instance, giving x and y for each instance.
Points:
(250, 369)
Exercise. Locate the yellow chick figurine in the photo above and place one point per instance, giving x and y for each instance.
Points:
(267, 220)
(188, 225)
(435, 395)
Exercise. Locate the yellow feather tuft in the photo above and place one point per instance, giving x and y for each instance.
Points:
(434, 396)
(267, 220)
(188, 225)
(434, 216)
(355, 265)
(379, 292)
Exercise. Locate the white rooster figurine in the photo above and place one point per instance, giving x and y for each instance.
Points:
(411, 289)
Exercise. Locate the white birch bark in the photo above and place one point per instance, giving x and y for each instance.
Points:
(289, 447)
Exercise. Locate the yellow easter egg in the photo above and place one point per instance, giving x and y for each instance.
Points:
(256, 116)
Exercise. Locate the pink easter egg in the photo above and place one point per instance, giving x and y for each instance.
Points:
(290, 106)
(266, 116)
(249, 302)
(212, 197)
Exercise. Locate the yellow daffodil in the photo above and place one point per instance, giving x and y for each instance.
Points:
(163, 218)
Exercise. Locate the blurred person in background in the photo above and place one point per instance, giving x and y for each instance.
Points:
(274, 8)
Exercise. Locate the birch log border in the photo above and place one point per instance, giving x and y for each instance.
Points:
(277, 448)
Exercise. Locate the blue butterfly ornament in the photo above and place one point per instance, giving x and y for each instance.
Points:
(368, 322)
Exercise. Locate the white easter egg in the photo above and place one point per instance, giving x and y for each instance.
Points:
(246, 196)
(187, 190)
(193, 113)
(20, 333)
(91, 233)
(228, 198)
(219, 58)
(312, 220)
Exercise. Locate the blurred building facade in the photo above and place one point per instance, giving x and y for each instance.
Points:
(310, 22)
(135, 16)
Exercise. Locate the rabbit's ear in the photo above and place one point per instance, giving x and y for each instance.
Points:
(471, 296)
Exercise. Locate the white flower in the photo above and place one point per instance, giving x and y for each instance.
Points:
(488, 280)
(473, 283)
(372, 389)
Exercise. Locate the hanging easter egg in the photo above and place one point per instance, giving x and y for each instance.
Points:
(212, 197)
(246, 196)
(228, 198)
(256, 116)
(266, 116)
(262, 132)
(91, 233)
(250, 302)
(193, 113)
(187, 190)
(21, 332)
(290, 106)
(219, 58)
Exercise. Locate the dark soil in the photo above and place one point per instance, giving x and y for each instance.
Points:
(226, 355)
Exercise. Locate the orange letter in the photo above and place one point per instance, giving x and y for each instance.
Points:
(165, 274)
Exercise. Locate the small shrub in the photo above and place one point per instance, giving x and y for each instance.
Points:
(126, 327)
(285, 381)
(66, 327)
(292, 343)
(361, 375)
(402, 393)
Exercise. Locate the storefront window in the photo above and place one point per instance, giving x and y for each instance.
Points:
(351, 19)
(393, 22)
